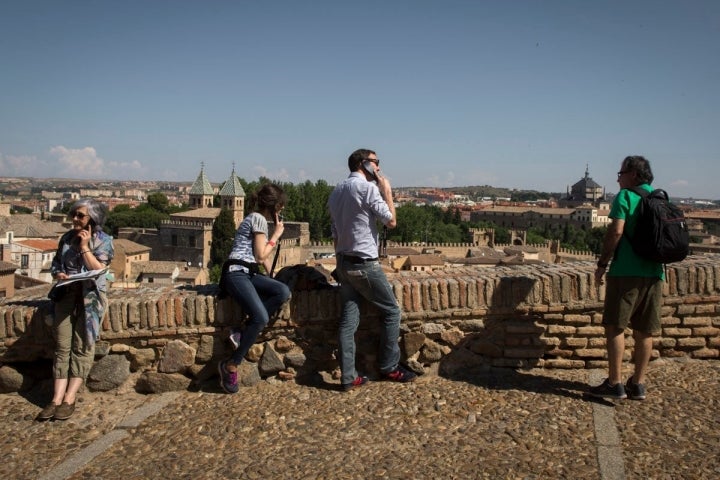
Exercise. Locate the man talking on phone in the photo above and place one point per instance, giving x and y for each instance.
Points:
(356, 205)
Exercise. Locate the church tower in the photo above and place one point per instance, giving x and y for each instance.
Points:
(201, 192)
(232, 197)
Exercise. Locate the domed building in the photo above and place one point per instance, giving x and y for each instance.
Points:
(584, 192)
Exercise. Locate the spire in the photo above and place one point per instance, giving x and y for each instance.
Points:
(232, 187)
(202, 185)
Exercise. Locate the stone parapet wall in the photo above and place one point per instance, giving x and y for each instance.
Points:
(536, 315)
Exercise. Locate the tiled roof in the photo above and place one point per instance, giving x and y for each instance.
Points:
(519, 210)
(189, 274)
(44, 245)
(586, 182)
(398, 251)
(425, 260)
(516, 249)
(203, 213)
(232, 187)
(29, 226)
(129, 247)
(6, 267)
(202, 185)
(155, 266)
(485, 252)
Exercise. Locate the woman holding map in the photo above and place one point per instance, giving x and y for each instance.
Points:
(85, 251)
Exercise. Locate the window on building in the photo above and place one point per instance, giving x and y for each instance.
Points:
(24, 260)
(191, 241)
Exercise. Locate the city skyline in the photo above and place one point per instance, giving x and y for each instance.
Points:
(515, 95)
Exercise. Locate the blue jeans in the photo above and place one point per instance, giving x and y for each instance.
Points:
(260, 297)
(368, 281)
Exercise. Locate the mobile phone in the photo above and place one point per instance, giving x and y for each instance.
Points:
(368, 168)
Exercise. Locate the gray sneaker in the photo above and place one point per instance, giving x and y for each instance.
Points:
(605, 390)
(235, 338)
(635, 391)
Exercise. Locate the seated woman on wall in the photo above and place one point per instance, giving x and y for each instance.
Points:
(259, 296)
(78, 307)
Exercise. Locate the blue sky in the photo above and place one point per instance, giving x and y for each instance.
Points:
(518, 94)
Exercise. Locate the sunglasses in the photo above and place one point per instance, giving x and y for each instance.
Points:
(78, 215)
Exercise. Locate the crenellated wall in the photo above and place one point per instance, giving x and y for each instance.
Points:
(521, 316)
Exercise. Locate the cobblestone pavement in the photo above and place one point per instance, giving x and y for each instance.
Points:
(496, 423)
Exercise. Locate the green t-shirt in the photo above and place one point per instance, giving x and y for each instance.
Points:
(626, 262)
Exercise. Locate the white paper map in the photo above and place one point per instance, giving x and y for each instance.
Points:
(89, 275)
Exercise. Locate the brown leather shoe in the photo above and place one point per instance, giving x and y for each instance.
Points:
(48, 412)
(64, 411)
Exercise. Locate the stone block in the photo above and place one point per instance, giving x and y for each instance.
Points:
(177, 357)
(697, 321)
(676, 332)
(205, 349)
(563, 363)
(574, 319)
(141, 358)
(295, 359)
(156, 382)
(108, 373)
(432, 329)
(670, 321)
(575, 342)
(591, 331)
(558, 352)
(701, 309)
(430, 352)
(561, 330)
(412, 342)
(705, 353)
(686, 309)
(591, 352)
(691, 342)
(550, 341)
(270, 362)
(705, 332)
(12, 380)
(452, 336)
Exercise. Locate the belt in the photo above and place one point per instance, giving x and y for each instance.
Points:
(354, 259)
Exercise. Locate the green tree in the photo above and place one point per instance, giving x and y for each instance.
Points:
(534, 236)
(142, 216)
(502, 235)
(158, 201)
(595, 239)
(223, 234)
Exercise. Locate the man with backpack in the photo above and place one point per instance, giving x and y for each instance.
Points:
(634, 285)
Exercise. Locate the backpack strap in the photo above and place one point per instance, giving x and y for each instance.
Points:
(642, 193)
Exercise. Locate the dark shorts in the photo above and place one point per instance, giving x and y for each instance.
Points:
(633, 301)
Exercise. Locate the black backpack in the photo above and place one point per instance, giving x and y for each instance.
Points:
(661, 232)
